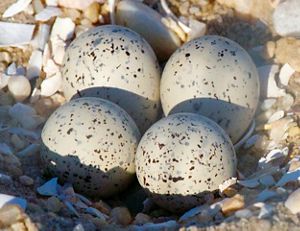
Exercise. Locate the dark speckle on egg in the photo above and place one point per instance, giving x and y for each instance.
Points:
(184, 155)
(97, 154)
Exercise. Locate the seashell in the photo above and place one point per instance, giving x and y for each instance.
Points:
(47, 13)
(16, 8)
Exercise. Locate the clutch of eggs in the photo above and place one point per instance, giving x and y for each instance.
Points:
(215, 77)
(182, 157)
(91, 143)
(114, 63)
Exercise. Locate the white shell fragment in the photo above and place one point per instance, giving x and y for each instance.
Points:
(16, 8)
(3, 80)
(293, 201)
(147, 22)
(274, 154)
(51, 85)
(289, 177)
(14, 34)
(34, 64)
(198, 29)
(268, 83)
(8, 199)
(41, 37)
(47, 13)
(276, 116)
(63, 29)
(265, 211)
(285, 74)
(19, 86)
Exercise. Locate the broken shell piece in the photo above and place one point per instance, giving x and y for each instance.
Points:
(16, 8)
(34, 65)
(289, 177)
(63, 29)
(252, 183)
(285, 74)
(265, 195)
(246, 136)
(77, 4)
(197, 29)
(47, 13)
(272, 156)
(50, 188)
(19, 86)
(14, 34)
(265, 211)
(147, 22)
(227, 184)
(8, 199)
(51, 85)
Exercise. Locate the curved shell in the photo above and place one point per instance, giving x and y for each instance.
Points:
(181, 157)
(114, 63)
(148, 23)
(215, 77)
(91, 143)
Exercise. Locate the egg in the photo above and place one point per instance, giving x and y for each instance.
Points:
(148, 23)
(215, 77)
(114, 63)
(182, 157)
(91, 143)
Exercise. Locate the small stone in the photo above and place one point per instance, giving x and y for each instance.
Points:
(285, 74)
(295, 164)
(286, 18)
(30, 225)
(121, 216)
(17, 142)
(198, 29)
(288, 51)
(62, 30)
(75, 4)
(54, 204)
(10, 214)
(267, 104)
(141, 219)
(73, 14)
(294, 131)
(243, 213)
(233, 204)
(92, 12)
(26, 180)
(269, 51)
(102, 207)
(5, 179)
(293, 202)
(19, 226)
(19, 87)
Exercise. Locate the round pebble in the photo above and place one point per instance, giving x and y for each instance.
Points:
(19, 86)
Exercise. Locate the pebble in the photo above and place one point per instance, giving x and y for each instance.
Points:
(285, 74)
(63, 29)
(51, 85)
(121, 216)
(16, 8)
(278, 128)
(141, 219)
(198, 29)
(19, 86)
(54, 204)
(267, 104)
(233, 204)
(17, 142)
(243, 213)
(26, 180)
(5, 179)
(294, 131)
(92, 12)
(286, 18)
(293, 202)
(102, 207)
(49, 188)
(75, 4)
(10, 214)
(288, 51)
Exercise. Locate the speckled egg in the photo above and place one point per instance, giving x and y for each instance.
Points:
(215, 77)
(182, 157)
(91, 143)
(114, 63)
